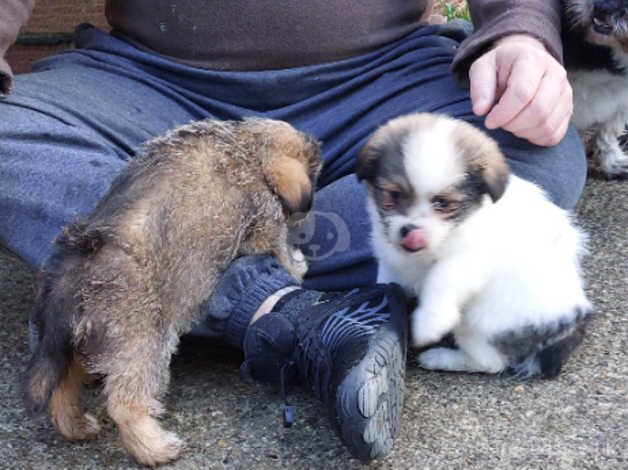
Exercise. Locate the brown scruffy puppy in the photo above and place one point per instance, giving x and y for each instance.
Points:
(128, 281)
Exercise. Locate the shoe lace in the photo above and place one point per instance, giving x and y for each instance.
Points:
(301, 359)
(288, 411)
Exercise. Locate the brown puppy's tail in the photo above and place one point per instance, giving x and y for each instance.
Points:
(48, 366)
(52, 316)
(53, 354)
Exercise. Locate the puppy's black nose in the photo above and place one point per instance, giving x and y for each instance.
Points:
(406, 229)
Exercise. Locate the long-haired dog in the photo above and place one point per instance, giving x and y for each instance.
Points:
(595, 42)
(129, 280)
(490, 258)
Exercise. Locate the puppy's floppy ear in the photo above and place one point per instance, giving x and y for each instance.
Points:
(496, 177)
(312, 158)
(292, 175)
(484, 158)
(367, 162)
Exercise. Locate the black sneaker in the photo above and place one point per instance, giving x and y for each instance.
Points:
(349, 348)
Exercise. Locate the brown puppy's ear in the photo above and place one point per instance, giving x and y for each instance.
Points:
(483, 157)
(289, 178)
(291, 165)
(312, 156)
(293, 168)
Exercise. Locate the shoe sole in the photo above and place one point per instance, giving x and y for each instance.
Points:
(367, 411)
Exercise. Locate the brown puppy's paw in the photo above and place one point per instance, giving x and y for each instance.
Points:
(76, 426)
(90, 426)
(148, 443)
(298, 265)
(66, 412)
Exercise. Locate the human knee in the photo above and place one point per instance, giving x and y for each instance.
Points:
(560, 170)
(567, 183)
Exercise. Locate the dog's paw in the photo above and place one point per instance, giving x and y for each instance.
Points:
(164, 448)
(147, 442)
(298, 264)
(90, 426)
(76, 426)
(441, 359)
(613, 164)
(169, 448)
(430, 325)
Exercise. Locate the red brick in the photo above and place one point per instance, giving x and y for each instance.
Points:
(63, 15)
(21, 57)
(54, 16)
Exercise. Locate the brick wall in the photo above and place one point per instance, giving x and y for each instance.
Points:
(52, 17)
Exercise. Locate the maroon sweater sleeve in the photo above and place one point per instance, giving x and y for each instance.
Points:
(13, 15)
(494, 19)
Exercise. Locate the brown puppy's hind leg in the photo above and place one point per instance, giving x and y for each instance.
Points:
(132, 388)
(141, 434)
(66, 411)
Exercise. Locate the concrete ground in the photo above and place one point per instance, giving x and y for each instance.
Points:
(579, 420)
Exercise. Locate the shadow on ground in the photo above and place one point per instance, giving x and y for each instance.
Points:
(579, 420)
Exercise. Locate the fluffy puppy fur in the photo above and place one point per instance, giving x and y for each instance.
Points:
(128, 281)
(487, 254)
(595, 41)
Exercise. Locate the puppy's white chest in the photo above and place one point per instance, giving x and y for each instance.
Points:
(409, 271)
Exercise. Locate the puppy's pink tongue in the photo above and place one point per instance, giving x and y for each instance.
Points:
(414, 241)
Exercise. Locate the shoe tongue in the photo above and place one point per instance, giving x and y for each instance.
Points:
(286, 298)
(297, 304)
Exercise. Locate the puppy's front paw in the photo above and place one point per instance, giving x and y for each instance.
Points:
(441, 359)
(292, 260)
(298, 263)
(429, 326)
(613, 163)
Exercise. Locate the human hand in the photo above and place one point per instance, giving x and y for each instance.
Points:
(523, 89)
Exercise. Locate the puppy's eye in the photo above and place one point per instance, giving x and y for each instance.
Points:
(390, 199)
(441, 204)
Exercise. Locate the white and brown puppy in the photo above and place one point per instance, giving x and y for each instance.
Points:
(595, 41)
(490, 258)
